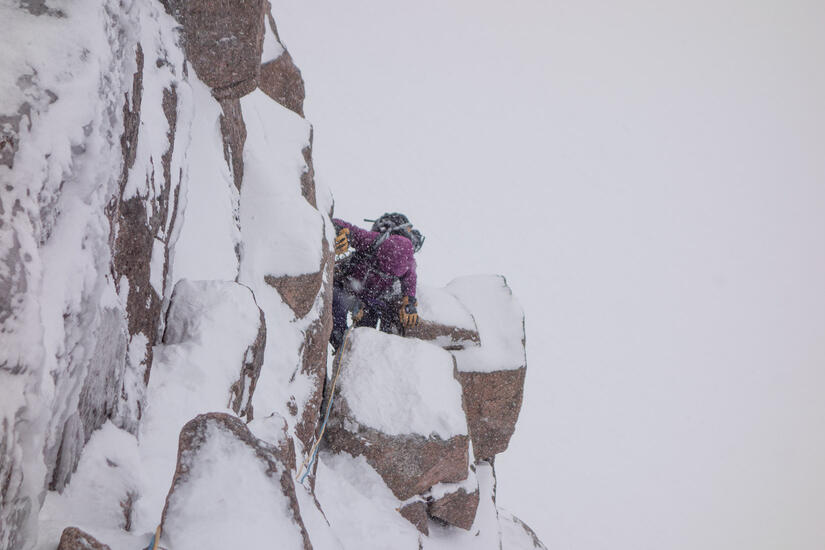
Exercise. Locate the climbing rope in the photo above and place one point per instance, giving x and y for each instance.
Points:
(310, 459)
(155, 542)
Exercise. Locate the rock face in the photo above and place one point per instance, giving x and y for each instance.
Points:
(225, 478)
(492, 374)
(400, 407)
(223, 40)
(492, 401)
(280, 78)
(444, 320)
(163, 257)
(456, 508)
(416, 513)
(75, 539)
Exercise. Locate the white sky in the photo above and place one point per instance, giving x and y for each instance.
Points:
(650, 176)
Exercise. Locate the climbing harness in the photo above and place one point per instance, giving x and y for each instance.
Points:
(310, 459)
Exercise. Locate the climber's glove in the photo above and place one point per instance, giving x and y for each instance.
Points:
(407, 313)
(357, 313)
(342, 241)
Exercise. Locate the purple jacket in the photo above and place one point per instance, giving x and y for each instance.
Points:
(371, 275)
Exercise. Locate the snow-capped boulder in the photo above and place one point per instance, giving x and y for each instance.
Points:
(223, 41)
(75, 539)
(492, 374)
(280, 78)
(444, 320)
(232, 490)
(399, 405)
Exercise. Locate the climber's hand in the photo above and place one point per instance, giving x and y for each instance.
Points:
(342, 242)
(407, 313)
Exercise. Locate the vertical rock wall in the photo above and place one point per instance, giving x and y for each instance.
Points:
(99, 176)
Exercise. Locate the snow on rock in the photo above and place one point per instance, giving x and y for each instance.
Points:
(516, 535)
(280, 79)
(360, 507)
(164, 253)
(208, 243)
(286, 261)
(443, 320)
(231, 490)
(75, 539)
(103, 493)
(70, 348)
(400, 386)
(500, 322)
(484, 532)
(209, 361)
(492, 375)
(223, 42)
(455, 503)
(399, 405)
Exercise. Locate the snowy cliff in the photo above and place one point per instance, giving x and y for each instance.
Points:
(165, 296)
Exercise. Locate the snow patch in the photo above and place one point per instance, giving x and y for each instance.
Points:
(500, 322)
(273, 49)
(401, 386)
(229, 501)
(439, 306)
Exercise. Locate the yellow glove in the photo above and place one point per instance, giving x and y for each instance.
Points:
(407, 313)
(342, 242)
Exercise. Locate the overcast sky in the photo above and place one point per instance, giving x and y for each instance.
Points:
(650, 177)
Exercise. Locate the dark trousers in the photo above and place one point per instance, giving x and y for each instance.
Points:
(374, 310)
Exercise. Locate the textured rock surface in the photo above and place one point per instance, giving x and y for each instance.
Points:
(233, 131)
(75, 539)
(298, 291)
(314, 354)
(398, 405)
(446, 336)
(491, 374)
(182, 529)
(280, 78)
(409, 464)
(416, 513)
(82, 203)
(223, 40)
(492, 401)
(457, 508)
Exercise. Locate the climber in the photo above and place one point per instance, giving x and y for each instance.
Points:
(376, 282)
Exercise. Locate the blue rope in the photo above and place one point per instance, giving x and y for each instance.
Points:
(329, 405)
(318, 447)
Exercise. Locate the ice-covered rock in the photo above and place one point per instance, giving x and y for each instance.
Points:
(492, 374)
(231, 490)
(75, 539)
(399, 405)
